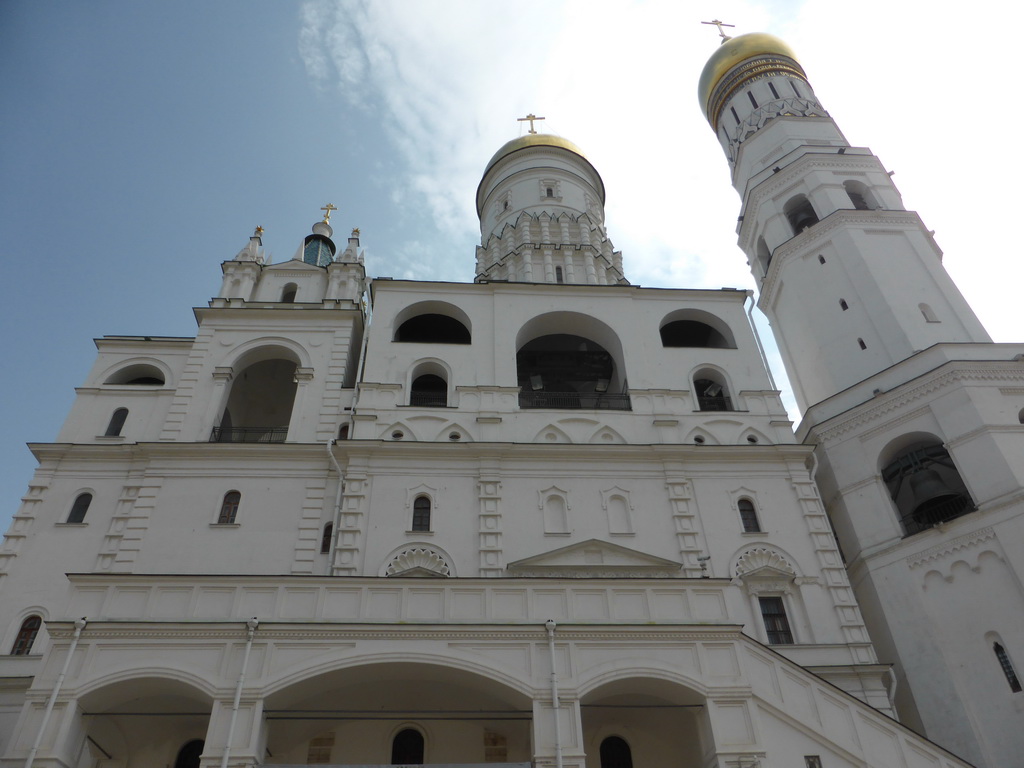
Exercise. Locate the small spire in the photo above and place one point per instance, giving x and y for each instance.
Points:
(721, 31)
(252, 251)
(531, 117)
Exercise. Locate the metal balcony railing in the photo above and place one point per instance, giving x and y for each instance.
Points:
(933, 514)
(714, 403)
(428, 399)
(249, 434)
(575, 401)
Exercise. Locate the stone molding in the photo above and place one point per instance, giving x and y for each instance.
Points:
(945, 549)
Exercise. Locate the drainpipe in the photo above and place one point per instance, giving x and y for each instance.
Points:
(79, 626)
(550, 625)
(757, 338)
(251, 625)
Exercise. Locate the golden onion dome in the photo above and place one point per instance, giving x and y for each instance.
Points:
(537, 140)
(732, 52)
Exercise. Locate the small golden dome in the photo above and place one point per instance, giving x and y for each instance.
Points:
(533, 140)
(732, 52)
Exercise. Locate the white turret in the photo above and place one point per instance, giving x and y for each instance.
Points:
(541, 209)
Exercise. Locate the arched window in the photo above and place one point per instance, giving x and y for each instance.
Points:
(407, 748)
(433, 329)
(800, 214)
(116, 423)
(843, 305)
(860, 196)
(325, 539)
(764, 256)
(429, 391)
(712, 394)
(615, 753)
(138, 375)
(926, 486)
(748, 516)
(421, 514)
(188, 755)
(229, 508)
(343, 432)
(259, 406)
(1007, 666)
(559, 275)
(928, 313)
(79, 508)
(288, 293)
(26, 636)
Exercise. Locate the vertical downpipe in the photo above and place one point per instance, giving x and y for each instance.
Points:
(79, 626)
(550, 625)
(251, 625)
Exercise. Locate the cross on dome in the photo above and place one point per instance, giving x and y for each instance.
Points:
(328, 209)
(718, 23)
(531, 117)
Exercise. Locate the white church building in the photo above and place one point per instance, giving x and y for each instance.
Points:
(544, 518)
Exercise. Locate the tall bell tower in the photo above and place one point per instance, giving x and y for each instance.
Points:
(917, 418)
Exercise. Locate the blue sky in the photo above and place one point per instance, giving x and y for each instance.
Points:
(142, 141)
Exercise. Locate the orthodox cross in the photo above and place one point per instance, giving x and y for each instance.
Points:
(531, 117)
(328, 210)
(720, 24)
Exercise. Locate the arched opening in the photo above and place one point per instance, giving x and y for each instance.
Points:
(407, 747)
(229, 508)
(343, 432)
(144, 721)
(260, 404)
(748, 516)
(712, 391)
(421, 514)
(26, 637)
(567, 371)
(615, 753)
(288, 293)
(927, 313)
(429, 391)
(665, 724)
(800, 214)
(139, 374)
(433, 329)
(692, 333)
(79, 508)
(326, 538)
(116, 423)
(470, 716)
(559, 275)
(925, 486)
(861, 197)
(188, 755)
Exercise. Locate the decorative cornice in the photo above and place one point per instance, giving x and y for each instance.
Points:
(947, 548)
(901, 396)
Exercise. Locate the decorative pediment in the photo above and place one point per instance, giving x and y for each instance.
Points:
(763, 570)
(418, 561)
(295, 266)
(595, 559)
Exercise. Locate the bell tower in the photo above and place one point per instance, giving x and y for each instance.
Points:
(915, 415)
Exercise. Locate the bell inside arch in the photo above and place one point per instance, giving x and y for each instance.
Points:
(931, 495)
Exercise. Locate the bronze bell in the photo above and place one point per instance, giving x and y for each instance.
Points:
(929, 492)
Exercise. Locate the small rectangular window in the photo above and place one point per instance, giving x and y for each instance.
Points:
(812, 761)
(775, 93)
(750, 95)
(776, 623)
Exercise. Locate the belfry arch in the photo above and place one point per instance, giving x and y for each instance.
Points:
(258, 407)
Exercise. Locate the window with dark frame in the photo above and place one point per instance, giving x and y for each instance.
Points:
(1007, 667)
(79, 508)
(229, 508)
(812, 761)
(116, 424)
(776, 623)
(748, 515)
(325, 539)
(421, 514)
(26, 636)
(407, 748)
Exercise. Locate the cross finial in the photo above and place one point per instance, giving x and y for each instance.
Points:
(531, 117)
(355, 232)
(721, 31)
(328, 209)
(258, 232)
